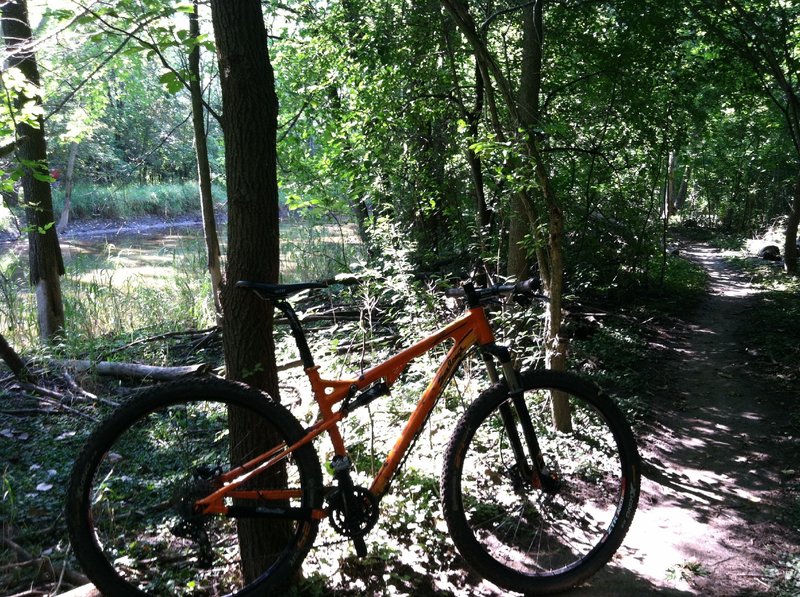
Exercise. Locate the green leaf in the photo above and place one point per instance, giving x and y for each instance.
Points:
(171, 81)
(61, 14)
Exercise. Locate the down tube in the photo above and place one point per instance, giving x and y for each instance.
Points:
(421, 413)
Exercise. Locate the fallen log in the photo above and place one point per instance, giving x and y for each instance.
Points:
(83, 591)
(12, 359)
(134, 370)
(72, 577)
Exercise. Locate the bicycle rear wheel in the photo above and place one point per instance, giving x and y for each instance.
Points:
(130, 502)
(539, 541)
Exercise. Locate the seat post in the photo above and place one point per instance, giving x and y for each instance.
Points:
(297, 332)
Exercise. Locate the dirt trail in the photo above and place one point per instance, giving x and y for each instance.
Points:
(715, 460)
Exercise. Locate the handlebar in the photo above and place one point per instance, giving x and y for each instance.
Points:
(476, 296)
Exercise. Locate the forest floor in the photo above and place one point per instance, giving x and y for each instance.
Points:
(720, 503)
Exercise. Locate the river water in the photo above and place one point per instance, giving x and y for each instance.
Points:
(153, 249)
(147, 248)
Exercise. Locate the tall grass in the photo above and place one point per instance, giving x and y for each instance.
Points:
(167, 200)
(105, 297)
(122, 290)
(318, 252)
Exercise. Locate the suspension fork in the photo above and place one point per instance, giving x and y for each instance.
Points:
(516, 411)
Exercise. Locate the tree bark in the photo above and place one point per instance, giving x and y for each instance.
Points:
(46, 263)
(250, 122)
(203, 168)
(790, 240)
(69, 180)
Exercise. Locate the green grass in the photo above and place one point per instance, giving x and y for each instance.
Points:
(146, 285)
(110, 291)
(167, 200)
(318, 252)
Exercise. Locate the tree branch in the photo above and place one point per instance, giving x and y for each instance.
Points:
(154, 47)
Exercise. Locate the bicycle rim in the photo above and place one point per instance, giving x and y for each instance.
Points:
(131, 507)
(528, 539)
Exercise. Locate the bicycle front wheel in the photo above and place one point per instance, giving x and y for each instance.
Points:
(546, 539)
(130, 504)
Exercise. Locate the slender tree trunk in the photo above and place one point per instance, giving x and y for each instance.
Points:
(524, 114)
(203, 168)
(518, 226)
(46, 264)
(474, 160)
(472, 116)
(530, 120)
(12, 359)
(790, 242)
(683, 190)
(529, 116)
(69, 181)
(669, 191)
(250, 124)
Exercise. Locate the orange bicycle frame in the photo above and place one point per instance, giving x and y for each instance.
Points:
(467, 331)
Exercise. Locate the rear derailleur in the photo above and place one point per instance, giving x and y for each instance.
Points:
(191, 525)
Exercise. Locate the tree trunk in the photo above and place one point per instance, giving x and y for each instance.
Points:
(250, 124)
(46, 263)
(669, 191)
(530, 84)
(204, 169)
(553, 273)
(473, 118)
(683, 190)
(518, 227)
(790, 242)
(69, 180)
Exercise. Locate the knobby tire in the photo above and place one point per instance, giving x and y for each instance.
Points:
(526, 539)
(131, 494)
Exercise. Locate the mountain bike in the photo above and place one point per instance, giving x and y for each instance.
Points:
(210, 487)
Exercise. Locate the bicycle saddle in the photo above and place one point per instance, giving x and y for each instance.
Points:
(278, 291)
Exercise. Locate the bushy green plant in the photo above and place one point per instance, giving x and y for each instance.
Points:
(318, 250)
(683, 278)
(784, 577)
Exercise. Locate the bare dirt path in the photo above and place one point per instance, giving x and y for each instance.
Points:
(716, 461)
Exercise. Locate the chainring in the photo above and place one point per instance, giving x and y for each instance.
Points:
(358, 522)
